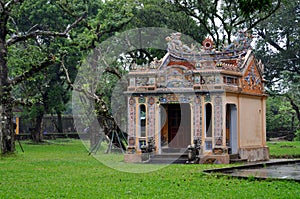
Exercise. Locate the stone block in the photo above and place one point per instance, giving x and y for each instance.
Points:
(253, 154)
(214, 159)
(132, 158)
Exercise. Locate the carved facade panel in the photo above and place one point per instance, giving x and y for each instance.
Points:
(131, 117)
(197, 116)
(151, 118)
(142, 81)
(175, 98)
(218, 121)
(175, 77)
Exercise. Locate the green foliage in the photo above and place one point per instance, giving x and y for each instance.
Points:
(62, 169)
(280, 116)
(47, 91)
(249, 7)
(297, 135)
(278, 46)
(160, 13)
(223, 18)
(163, 14)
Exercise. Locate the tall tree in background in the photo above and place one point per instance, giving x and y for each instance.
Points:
(163, 14)
(46, 92)
(10, 37)
(279, 48)
(40, 41)
(281, 118)
(222, 18)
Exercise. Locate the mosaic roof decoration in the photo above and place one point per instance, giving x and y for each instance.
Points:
(185, 66)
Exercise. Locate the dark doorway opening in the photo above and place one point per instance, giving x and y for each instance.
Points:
(208, 121)
(176, 129)
(208, 126)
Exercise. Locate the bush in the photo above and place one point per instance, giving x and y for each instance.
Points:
(297, 135)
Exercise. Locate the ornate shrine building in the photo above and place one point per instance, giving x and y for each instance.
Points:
(213, 98)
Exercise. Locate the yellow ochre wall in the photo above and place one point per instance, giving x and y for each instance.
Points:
(251, 116)
(251, 119)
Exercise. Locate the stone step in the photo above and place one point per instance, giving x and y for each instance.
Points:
(173, 150)
(167, 161)
(170, 155)
(168, 158)
(234, 156)
(238, 160)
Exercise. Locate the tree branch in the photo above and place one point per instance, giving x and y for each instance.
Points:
(88, 94)
(99, 33)
(73, 15)
(114, 71)
(11, 3)
(294, 106)
(18, 38)
(33, 70)
(190, 11)
(270, 41)
(265, 17)
(21, 102)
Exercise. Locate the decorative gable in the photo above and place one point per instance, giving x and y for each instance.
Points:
(252, 80)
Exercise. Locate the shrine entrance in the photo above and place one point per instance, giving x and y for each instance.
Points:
(176, 125)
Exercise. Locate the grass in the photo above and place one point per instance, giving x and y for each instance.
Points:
(284, 149)
(63, 169)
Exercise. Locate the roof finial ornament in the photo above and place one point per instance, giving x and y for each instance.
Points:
(243, 41)
(208, 44)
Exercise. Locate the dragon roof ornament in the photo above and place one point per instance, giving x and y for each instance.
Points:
(207, 51)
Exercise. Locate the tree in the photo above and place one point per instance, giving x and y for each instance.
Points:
(9, 38)
(47, 93)
(222, 18)
(280, 116)
(279, 47)
(163, 14)
(32, 42)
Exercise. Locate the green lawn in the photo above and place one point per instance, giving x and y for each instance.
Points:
(64, 170)
(284, 149)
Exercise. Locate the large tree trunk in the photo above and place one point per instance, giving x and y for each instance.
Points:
(294, 106)
(59, 122)
(37, 134)
(7, 133)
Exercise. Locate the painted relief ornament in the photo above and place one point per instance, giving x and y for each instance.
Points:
(131, 101)
(151, 100)
(242, 42)
(175, 44)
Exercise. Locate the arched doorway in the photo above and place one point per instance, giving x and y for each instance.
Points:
(208, 126)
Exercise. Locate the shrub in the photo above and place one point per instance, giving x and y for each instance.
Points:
(297, 135)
